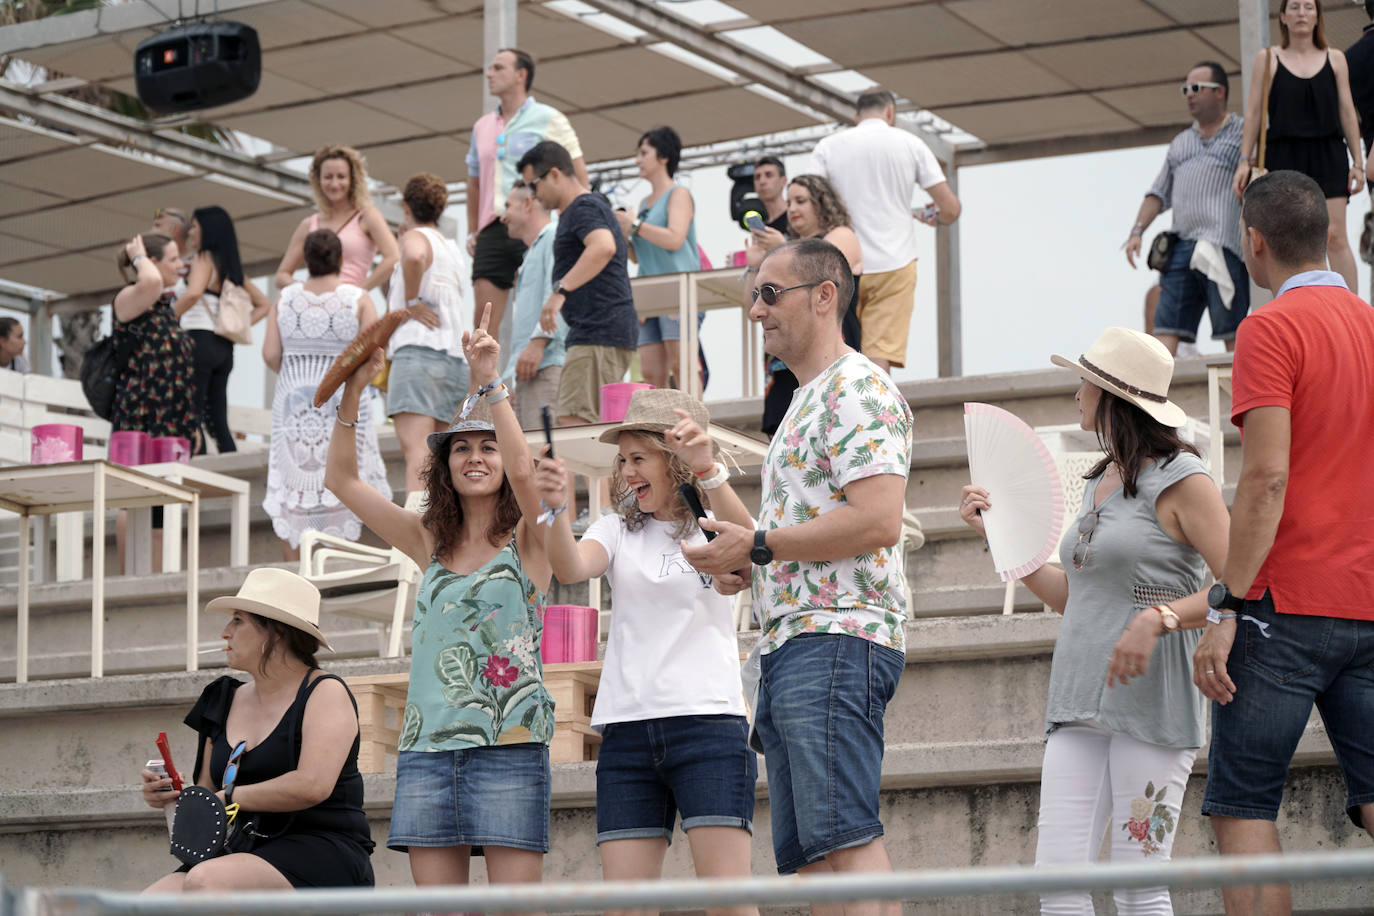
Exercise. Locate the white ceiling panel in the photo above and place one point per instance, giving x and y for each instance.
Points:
(958, 80)
(857, 40)
(1038, 21)
(1114, 62)
(620, 76)
(1009, 122)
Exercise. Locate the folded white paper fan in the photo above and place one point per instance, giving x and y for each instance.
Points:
(1013, 464)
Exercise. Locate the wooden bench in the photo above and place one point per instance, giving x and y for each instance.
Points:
(382, 702)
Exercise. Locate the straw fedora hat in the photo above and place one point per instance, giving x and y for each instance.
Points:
(478, 420)
(280, 595)
(651, 411)
(1134, 366)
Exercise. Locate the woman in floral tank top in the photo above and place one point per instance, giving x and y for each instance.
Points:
(473, 760)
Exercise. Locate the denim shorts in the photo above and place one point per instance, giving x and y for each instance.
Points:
(1186, 293)
(648, 771)
(664, 328)
(427, 382)
(1326, 661)
(480, 796)
(820, 717)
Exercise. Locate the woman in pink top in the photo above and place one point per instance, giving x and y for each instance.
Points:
(338, 180)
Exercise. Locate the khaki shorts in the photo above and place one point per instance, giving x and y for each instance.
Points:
(886, 301)
(534, 394)
(585, 369)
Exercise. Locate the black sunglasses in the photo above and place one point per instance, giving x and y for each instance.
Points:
(1086, 526)
(770, 293)
(534, 182)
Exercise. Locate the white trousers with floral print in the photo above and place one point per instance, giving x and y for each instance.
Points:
(1095, 780)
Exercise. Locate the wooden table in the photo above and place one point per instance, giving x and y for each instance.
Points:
(688, 294)
(95, 486)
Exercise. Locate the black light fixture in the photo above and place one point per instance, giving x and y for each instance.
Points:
(198, 65)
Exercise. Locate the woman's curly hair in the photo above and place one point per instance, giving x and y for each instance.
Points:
(426, 195)
(358, 197)
(830, 210)
(684, 523)
(444, 515)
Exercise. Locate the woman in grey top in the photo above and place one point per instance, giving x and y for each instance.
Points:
(1124, 720)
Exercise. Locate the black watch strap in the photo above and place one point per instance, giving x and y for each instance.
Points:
(760, 555)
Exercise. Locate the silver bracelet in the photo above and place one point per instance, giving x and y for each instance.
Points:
(341, 421)
(498, 395)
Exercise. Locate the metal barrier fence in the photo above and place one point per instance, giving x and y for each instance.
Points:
(1209, 872)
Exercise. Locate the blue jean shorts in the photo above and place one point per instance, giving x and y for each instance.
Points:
(480, 796)
(427, 382)
(1186, 293)
(1326, 661)
(820, 717)
(664, 329)
(648, 771)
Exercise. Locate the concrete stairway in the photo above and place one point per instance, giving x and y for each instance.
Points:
(964, 732)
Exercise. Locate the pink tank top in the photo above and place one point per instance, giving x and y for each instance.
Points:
(358, 249)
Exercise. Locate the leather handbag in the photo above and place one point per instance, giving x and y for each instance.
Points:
(1161, 250)
(234, 316)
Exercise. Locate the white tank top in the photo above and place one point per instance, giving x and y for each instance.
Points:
(447, 288)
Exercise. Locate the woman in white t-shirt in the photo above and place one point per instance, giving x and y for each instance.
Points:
(670, 706)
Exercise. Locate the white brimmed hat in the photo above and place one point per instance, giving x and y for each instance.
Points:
(1134, 366)
(279, 595)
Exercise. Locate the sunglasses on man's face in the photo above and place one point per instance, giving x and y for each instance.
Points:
(533, 183)
(1195, 88)
(770, 293)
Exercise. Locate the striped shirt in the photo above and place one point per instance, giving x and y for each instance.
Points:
(1196, 182)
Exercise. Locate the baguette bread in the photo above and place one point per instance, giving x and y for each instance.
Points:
(357, 352)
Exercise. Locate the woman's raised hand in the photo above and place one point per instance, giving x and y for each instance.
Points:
(973, 501)
(482, 350)
(551, 480)
(134, 248)
(691, 443)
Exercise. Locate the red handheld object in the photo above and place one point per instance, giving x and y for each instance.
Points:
(166, 752)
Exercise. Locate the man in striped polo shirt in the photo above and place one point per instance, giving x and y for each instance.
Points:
(1206, 270)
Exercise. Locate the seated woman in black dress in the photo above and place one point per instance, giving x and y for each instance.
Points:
(299, 774)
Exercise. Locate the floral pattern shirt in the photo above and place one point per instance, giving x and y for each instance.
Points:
(848, 423)
(475, 673)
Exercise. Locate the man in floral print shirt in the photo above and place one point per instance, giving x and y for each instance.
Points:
(827, 571)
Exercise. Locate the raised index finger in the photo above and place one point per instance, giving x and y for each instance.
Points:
(486, 317)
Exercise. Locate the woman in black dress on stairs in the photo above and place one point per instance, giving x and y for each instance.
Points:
(299, 772)
(1311, 120)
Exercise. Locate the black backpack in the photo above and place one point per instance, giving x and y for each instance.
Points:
(100, 373)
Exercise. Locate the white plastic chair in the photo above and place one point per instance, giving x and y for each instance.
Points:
(373, 583)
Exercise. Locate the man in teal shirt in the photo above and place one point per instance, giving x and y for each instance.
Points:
(534, 358)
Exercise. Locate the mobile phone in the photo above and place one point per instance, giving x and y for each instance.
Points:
(689, 496)
(167, 760)
(754, 221)
(547, 413)
(928, 212)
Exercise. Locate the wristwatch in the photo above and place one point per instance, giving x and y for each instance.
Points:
(634, 226)
(1219, 598)
(560, 291)
(1168, 619)
(760, 555)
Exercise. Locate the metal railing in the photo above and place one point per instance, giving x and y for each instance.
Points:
(1211, 872)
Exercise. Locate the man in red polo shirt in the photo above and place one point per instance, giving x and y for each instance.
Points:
(1292, 619)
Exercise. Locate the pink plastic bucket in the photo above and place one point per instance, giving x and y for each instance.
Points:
(615, 399)
(569, 634)
(170, 448)
(54, 443)
(129, 447)
(739, 259)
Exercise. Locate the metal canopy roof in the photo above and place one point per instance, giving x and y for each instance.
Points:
(402, 81)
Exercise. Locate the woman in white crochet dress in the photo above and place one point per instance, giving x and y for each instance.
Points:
(309, 326)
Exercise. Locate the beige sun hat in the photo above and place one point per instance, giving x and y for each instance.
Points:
(478, 420)
(651, 411)
(1134, 366)
(280, 595)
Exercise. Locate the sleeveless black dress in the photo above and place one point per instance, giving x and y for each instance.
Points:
(328, 845)
(1304, 131)
(779, 382)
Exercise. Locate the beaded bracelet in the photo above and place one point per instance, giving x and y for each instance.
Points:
(341, 421)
